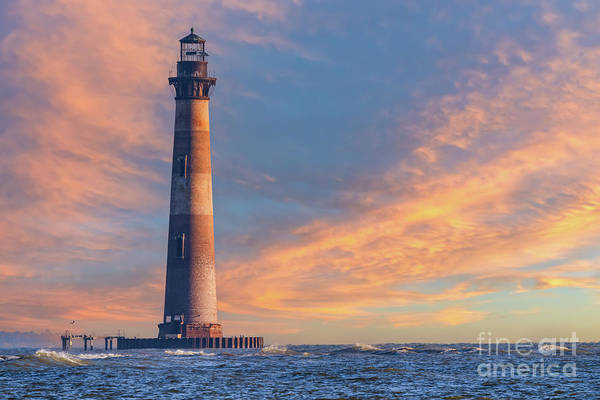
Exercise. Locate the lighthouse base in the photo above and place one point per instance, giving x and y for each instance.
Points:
(177, 329)
(193, 330)
(235, 342)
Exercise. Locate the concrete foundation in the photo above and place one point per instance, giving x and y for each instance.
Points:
(236, 342)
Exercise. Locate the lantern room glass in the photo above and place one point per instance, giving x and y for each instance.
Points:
(192, 51)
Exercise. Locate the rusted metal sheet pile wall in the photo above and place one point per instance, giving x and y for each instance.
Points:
(236, 342)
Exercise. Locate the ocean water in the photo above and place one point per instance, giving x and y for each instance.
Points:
(402, 371)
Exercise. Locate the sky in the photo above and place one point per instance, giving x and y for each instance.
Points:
(415, 171)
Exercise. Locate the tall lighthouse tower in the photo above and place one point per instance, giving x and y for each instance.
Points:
(190, 294)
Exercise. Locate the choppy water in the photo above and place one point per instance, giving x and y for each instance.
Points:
(410, 371)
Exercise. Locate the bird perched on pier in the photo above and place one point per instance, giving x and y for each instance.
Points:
(73, 322)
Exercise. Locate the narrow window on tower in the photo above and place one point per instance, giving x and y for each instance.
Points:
(181, 245)
(182, 168)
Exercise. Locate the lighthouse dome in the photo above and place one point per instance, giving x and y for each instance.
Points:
(192, 38)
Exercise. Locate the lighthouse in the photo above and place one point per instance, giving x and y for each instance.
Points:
(190, 309)
(190, 313)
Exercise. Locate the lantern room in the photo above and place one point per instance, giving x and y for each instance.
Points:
(192, 48)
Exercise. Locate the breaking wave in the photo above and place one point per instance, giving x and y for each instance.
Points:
(361, 348)
(476, 350)
(57, 357)
(9, 358)
(187, 353)
(451, 349)
(389, 349)
(365, 347)
(99, 356)
(76, 359)
(403, 349)
(50, 357)
(552, 349)
(278, 349)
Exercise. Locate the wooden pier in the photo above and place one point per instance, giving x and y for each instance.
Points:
(108, 341)
(67, 341)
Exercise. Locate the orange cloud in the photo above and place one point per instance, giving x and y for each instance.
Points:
(448, 316)
(503, 176)
(133, 302)
(555, 282)
(525, 191)
(83, 152)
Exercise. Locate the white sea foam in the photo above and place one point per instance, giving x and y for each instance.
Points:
(552, 349)
(366, 347)
(188, 353)
(275, 349)
(59, 357)
(8, 358)
(403, 349)
(279, 349)
(477, 350)
(449, 350)
(97, 356)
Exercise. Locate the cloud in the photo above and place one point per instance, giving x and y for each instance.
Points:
(250, 36)
(263, 9)
(131, 301)
(85, 149)
(84, 157)
(528, 311)
(556, 282)
(503, 177)
(498, 175)
(75, 151)
(449, 316)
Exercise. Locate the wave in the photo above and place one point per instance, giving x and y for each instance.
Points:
(552, 349)
(57, 357)
(9, 358)
(362, 348)
(50, 357)
(188, 353)
(433, 348)
(449, 350)
(99, 356)
(480, 350)
(278, 349)
(365, 347)
(403, 349)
